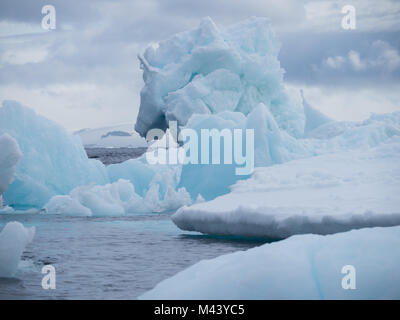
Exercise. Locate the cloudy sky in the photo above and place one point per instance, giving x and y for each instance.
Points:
(85, 72)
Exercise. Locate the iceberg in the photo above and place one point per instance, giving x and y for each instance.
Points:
(208, 70)
(330, 193)
(211, 180)
(301, 267)
(212, 78)
(13, 239)
(276, 139)
(116, 199)
(271, 146)
(66, 205)
(344, 135)
(55, 173)
(142, 174)
(53, 163)
(10, 154)
(314, 118)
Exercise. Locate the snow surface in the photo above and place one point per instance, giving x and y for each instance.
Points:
(118, 136)
(323, 194)
(208, 70)
(13, 239)
(301, 267)
(10, 154)
(54, 162)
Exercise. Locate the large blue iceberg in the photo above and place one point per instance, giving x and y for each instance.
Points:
(231, 78)
(55, 174)
(54, 162)
(208, 70)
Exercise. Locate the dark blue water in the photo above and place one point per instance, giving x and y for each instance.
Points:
(107, 258)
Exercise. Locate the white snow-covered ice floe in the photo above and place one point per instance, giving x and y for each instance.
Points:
(13, 239)
(322, 195)
(360, 264)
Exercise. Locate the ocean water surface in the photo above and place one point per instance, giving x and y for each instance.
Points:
(107, 257)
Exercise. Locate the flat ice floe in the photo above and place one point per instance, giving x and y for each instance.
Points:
(301, 267)
(321, 195)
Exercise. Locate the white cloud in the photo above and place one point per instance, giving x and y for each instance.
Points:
(335, 62)
(355, 61)
(388, 57)
(78, 105)
(12, 28)
(383, 56)
(347, 104)
(24, 55)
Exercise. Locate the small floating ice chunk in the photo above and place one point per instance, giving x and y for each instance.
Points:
(67, 206)
(13, 239)
(116, 199)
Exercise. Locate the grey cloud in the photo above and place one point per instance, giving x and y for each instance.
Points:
(304, 58)
(101, 46)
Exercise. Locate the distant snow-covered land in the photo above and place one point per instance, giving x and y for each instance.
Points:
(118, 136)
